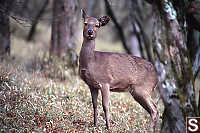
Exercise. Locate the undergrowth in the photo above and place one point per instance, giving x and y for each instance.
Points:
(52, 98)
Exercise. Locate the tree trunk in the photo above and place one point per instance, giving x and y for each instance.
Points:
(137, 20)
(4, 27)
(119, 28)
(63, 27)
(36, 20)
(174, 68)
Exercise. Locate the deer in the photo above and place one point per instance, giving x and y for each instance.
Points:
(114, 72)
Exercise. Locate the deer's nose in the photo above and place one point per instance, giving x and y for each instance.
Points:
(90, 32)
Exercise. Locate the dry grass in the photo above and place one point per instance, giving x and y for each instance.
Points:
(37, 95)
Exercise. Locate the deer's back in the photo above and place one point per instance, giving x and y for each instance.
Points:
(119, 70)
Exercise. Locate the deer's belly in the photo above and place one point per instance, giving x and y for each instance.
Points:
(119, 85)
(119, 89)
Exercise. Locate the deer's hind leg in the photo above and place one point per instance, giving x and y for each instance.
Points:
(144, 99)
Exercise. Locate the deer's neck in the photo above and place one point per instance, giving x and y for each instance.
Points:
(87, 52)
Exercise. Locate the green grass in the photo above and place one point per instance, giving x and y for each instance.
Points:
(37, 95)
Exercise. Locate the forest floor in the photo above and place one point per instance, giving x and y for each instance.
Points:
(38, 94)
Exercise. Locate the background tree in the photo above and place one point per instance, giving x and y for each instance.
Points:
(63, 27)
(36, 20)
(118, 27)
(131, 27)
(5, 8)
(140, 25)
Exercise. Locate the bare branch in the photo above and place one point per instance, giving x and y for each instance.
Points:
(119, 28)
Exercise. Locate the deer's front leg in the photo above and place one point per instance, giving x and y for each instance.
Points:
(94, 93)
(105, 91)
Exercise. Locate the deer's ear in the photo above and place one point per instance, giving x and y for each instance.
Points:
(104, 20)
(84, 14)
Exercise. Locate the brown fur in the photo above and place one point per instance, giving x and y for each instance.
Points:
(116, 72)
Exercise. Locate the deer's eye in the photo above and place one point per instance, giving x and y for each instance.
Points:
(85, 23)
(97, 25)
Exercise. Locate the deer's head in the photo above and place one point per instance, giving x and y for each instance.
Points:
(91, 25)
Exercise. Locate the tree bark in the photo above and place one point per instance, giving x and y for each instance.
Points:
(174, 69)
(4, 27)
(119, 28)
(193, 15)
(63, 27)
(36, 21)
(137, 20)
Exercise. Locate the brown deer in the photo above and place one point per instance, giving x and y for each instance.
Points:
(116, 72)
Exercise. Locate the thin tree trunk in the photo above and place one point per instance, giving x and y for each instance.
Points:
(4, 27)
(137, 20)
(36, 21)
(119, 28)
(54, 32)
